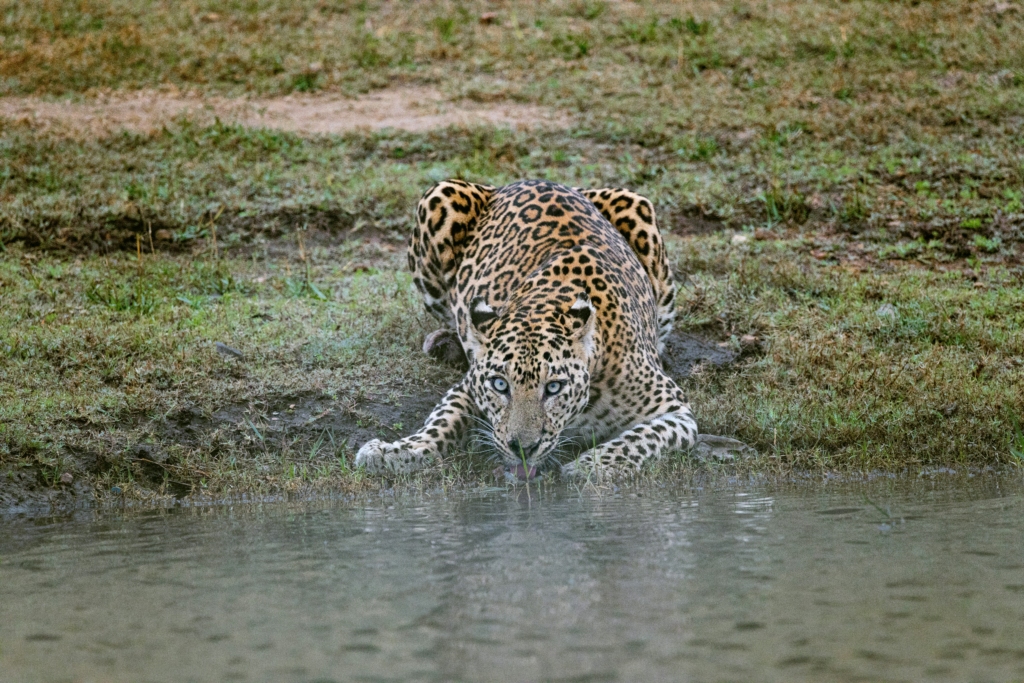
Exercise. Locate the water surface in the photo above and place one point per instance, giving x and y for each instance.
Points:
(884, 581)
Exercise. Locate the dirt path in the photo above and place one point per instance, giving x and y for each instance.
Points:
(415, 108)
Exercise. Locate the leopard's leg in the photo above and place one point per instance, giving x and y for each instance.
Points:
(669, 425)
(446, 427)
(446, 220)
(633, 216)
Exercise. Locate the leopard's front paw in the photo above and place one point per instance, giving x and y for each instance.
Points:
(379, 457)
(600, 465)
(572, 470)
(580, 468)
(371, 456)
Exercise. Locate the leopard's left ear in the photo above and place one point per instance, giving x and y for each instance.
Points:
(480, 312)
(582, 318)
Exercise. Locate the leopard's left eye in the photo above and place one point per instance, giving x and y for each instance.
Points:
(553, 388)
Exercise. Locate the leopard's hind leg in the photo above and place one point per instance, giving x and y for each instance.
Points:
(633, 216)
(447, 217)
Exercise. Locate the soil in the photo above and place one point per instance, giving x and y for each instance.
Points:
(23, 491)
(689, 221)
(307, 417)
(685, 351)
(411, 108)
(296, 419)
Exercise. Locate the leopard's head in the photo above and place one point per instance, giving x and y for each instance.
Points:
(529, 372)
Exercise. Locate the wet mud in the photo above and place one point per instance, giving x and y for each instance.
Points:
(302, 419)
(25, 490)
(685, 351)
(277, 424)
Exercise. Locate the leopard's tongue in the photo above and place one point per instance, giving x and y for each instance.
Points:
(524, 474)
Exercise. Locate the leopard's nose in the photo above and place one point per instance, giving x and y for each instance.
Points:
(519, 450)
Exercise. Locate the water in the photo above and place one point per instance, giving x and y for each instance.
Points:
(739, 583)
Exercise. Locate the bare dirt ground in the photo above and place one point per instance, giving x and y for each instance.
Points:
(411, 108)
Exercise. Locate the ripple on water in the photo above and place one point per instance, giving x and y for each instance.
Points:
(880, 581)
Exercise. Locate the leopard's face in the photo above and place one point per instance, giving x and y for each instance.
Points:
(528, 400)
(530, 377)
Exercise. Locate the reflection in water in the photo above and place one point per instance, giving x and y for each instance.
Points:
(878, 582)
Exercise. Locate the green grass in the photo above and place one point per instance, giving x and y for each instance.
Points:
(898, 119)
(942, 205)
(881, 370)
(870, 153)
(97, 354)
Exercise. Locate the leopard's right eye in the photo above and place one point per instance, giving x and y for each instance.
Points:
(499, 385)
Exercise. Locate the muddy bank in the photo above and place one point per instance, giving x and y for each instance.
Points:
(307, 417)
(275, 427)
(23, 490)
(684, 351)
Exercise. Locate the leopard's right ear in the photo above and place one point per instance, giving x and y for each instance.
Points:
(480, 316)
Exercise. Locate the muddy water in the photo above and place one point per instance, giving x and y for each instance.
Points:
(884, 581)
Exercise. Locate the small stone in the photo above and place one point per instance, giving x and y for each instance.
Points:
(886, 311)
(1004, 78)
(66, 478)
(488, 17)
(748, 340)
(228, 352)
(721, 448)
(315, 67)
(739, 238)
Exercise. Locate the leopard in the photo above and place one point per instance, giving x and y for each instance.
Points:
(561, 300)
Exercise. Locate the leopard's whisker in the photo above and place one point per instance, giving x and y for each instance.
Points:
(479, 420)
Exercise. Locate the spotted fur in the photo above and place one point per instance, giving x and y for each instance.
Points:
(562, 300)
